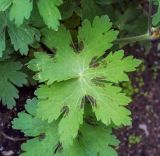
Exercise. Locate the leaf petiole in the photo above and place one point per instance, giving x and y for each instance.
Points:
(134, 38)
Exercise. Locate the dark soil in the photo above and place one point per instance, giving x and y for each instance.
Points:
(10, 143)
(145, 108)
(145, 111)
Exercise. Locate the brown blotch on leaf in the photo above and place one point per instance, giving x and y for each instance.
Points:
(83, 102)
(91, 121)
(99, 81)
(94, 62)
(65, 111)
(91, 100)
(41, 136)
(58, 148)
(77, 47)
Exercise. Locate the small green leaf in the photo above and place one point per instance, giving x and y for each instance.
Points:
(20, 10)
(46, 138)
(11, 76)
(50, 13)
(21, 37)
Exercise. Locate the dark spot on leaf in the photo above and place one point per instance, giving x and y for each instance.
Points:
(80, 46)
(104, 63)
(53, 50)
(107, 52)
(58, 148)
(91, 121)
(99, 81)
(77, 47)
(65, 111)
(91, 100)
(49, 50)
(94, 62)
(72, 45)
(83, 102)
(42, 136)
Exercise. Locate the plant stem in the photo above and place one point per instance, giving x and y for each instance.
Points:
(150, 17)
(134, 38)
(11, 138)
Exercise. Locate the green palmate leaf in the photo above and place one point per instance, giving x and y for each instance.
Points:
(4, 4)
(32, 126)
(50, 13)
(20, 10)
(46, 141)
(11, 76)
(21, 37)
(71, 76)
(46, 138)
